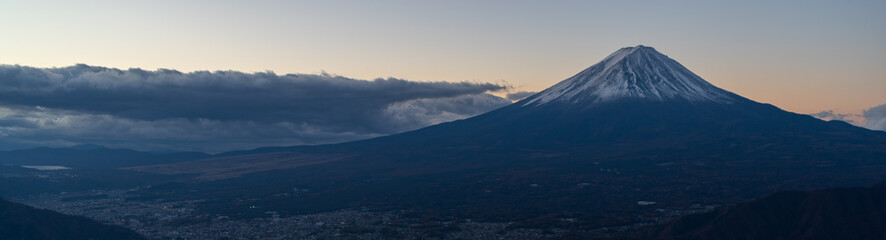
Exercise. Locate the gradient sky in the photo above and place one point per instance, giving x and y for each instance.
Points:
(803, 56)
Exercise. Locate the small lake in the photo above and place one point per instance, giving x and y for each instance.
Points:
(42, 168)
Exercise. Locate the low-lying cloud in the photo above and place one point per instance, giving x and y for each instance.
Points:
(876, 117)
(831, 115)
(873, 118)
(219, 111)
(517, 96)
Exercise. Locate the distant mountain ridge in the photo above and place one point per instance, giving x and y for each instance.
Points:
(87, 147)
(92, 156)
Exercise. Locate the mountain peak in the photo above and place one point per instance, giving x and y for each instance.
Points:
(638, 72)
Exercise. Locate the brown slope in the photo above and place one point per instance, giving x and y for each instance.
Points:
(235, 166)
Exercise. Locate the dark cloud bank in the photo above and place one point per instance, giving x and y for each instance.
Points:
(219, 111)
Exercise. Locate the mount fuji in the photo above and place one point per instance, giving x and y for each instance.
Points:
(637, 127)
(635, 96)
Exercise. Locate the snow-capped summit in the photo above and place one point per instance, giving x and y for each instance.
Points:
(633, 72)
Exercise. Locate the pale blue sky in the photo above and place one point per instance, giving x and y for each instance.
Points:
(804, 56)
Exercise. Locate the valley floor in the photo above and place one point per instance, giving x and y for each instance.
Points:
(159, 219)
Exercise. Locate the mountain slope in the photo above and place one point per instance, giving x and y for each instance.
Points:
(19, 221)
(841, 213)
